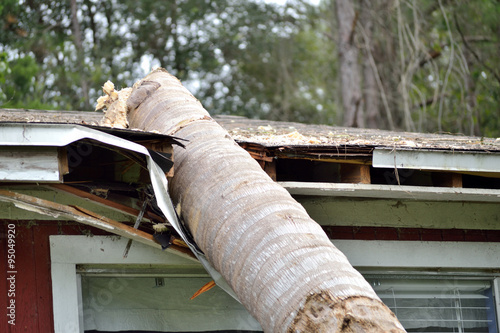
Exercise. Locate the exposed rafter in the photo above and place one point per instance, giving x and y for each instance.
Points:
(87, 217)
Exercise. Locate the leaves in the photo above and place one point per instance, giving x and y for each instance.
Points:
(260, 59)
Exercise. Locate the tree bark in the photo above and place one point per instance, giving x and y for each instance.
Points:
(370, 89)
(280, 263)
(77, 35)
(348, 64)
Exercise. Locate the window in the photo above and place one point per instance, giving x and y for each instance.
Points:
(432, 304)
(160, 304)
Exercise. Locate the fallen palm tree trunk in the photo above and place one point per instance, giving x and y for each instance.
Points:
(280, 263)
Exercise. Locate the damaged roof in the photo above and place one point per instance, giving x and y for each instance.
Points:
(274, 134)
(97, 167)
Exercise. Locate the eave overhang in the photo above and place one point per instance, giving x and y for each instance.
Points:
(44, 135)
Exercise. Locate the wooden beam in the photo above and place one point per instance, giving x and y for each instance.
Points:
(63, 161)
(447, 179)
(355, 173)
(270, 169)
(87, 217)
(103, 202)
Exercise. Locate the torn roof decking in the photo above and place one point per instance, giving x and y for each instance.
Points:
(277, 134)
(266, 140)
(99, 152)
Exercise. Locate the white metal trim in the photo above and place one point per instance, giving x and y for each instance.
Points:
(436, 160)
(392, 192)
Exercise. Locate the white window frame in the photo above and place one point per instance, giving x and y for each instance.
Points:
(68, 251)
(426, 256)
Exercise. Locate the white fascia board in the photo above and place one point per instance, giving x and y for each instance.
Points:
(436, 160)
(392, 192)
(28, 164)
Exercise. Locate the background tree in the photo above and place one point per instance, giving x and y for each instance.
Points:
(423, 65)
(350, 76)
(430, 78)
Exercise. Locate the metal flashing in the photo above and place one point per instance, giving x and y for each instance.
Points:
(436, 160)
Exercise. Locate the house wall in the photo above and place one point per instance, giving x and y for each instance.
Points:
(34, 309)
(33, 290)
(404, 220)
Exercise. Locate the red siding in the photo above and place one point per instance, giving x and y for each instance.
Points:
(33, 283)
(412, 234)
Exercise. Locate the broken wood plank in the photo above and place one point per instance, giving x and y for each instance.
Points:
(104, 202)
(86, 217)
(261, 155)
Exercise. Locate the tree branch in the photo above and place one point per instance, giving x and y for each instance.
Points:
(468, 47)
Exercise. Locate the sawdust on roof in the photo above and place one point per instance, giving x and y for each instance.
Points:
(275, 134)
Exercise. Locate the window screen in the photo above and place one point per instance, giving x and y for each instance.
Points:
(439, 305)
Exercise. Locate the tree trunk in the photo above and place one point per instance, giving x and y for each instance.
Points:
(77, 35)
(348, 64)
(279, 262)
(370, 89)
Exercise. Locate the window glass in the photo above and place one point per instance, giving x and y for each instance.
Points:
(112, 304)
(148, 304)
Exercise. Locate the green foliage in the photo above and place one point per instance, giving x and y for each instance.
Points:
(258, 59)
(444, 56)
